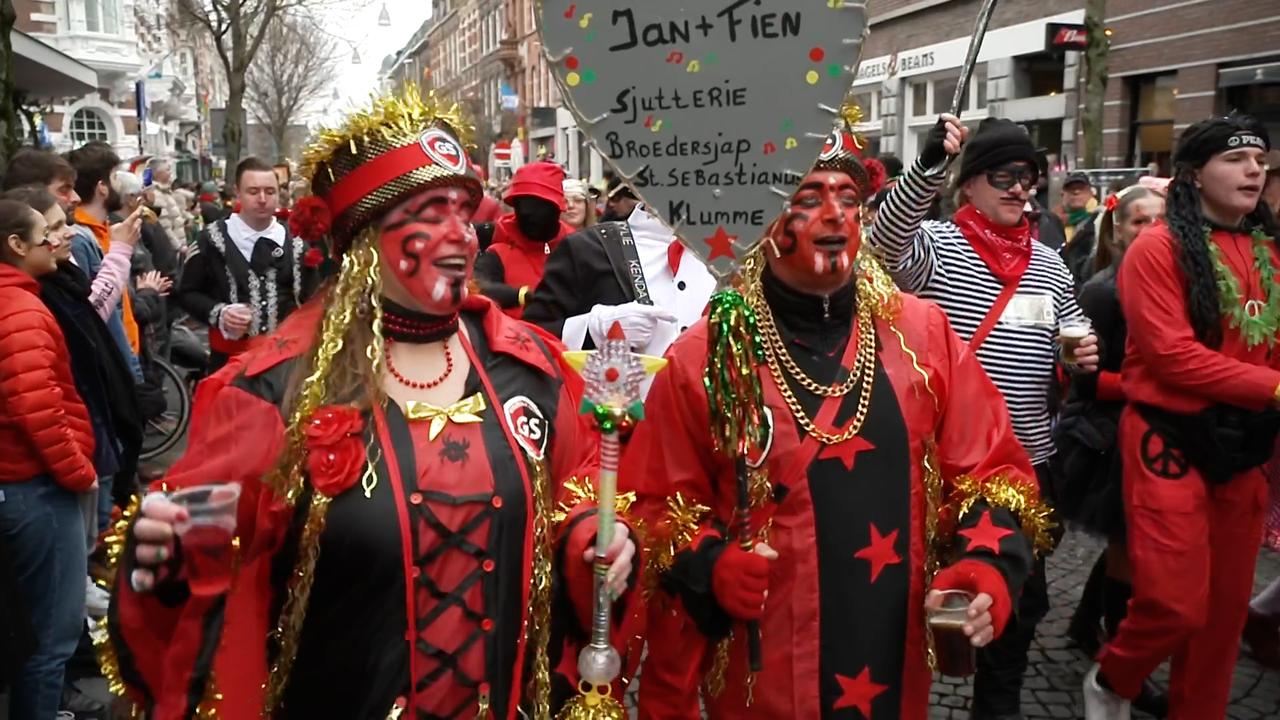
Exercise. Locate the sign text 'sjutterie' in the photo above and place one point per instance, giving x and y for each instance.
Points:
(713, 109)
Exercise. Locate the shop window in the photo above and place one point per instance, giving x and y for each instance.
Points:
(1153, 114)
(86, 126)
(1040, 74)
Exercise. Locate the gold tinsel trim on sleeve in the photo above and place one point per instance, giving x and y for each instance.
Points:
(1015, 494)
(673, 534)
(874, 280)
(538, 630)
(581, 490)
(108, 659)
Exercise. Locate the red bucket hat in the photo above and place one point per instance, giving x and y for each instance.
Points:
(544, 180)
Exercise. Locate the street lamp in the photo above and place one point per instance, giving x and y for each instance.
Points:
(355, 55)
(384, 17)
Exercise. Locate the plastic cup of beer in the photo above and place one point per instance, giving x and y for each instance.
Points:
(954, 650)
(207, 532)
(1071, 334)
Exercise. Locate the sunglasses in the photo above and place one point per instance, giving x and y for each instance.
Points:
(1003, 178)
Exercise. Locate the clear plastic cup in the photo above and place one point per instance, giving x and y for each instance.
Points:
(1071, 333)
(954, 650)
(206, 536)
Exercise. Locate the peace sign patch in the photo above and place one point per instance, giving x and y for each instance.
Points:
(1162, 459)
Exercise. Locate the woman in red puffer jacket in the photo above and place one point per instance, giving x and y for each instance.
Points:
(46, 459)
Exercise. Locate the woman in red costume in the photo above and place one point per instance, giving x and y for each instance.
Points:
(1202, 379)
(400, 445)
(889, 469)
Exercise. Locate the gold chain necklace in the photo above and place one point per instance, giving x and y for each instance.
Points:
(777, 356)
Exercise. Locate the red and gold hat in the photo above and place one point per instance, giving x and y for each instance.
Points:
(842, 152)
(403, 144)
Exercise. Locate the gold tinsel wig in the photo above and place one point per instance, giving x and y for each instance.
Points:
(401, 145)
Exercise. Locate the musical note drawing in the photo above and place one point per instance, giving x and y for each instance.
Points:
(770, 148)
(648, 121)
(657, 126)
(693, 66)
(573, 9)
(675, 57)
(791, 143)
(585, 21)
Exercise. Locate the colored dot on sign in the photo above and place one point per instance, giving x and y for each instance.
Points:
(588, 76)
(590, 36)
(572, 79)
(811, 77)
(571, 62)
(816, 54)
(834, 70)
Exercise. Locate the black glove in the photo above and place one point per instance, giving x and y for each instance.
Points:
(934, 152)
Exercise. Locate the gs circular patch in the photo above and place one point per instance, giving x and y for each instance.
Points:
(444, 150)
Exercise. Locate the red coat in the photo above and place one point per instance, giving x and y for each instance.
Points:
(165, 649)
(522, 261)
(44, 426)
(958, 408)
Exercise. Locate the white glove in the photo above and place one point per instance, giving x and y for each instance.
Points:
(638, 322)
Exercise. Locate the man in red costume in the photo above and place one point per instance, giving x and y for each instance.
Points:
(512, 266)
(888, 454)
(1202, 378)
(400, 447)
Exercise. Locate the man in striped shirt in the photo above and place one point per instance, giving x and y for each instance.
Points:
(1008, 297)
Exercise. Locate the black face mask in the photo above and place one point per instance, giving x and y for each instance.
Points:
(537, 219)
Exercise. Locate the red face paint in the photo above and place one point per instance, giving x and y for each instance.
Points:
(817, 238)
(429, 247)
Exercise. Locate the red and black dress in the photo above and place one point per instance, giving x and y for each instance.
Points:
(422, 589)
(843, 631)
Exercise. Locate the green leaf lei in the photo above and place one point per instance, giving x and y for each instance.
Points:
(1256, 320)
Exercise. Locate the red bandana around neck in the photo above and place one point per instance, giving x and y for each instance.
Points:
(1005, 250)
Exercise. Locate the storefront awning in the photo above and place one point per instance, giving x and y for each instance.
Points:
(42, 72)
(1249, 75)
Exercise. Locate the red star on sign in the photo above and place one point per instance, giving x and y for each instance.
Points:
(880, 552)
(985, 534)
(847, 451)
(721, 244)
(858, 692)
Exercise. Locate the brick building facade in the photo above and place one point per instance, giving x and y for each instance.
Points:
(1173, 62)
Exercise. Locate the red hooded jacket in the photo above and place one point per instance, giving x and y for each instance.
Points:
(523, 261)
(44, 426)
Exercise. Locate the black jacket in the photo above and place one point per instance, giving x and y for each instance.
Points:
(578, 276)
(216, 274)
(103, 379)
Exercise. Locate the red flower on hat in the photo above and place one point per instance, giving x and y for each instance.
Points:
(335, 449)
(313, 257)
(310, 219)
(876, 175)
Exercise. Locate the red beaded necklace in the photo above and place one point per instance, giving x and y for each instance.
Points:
(416, 385)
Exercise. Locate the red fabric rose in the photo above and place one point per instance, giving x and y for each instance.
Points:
(876, 175)
(313, 257)
(310, 219)
(1112, 202)
(335, 448)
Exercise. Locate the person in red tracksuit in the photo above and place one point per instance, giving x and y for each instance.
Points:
(512, 267)
(1202, 378)
(46, 461)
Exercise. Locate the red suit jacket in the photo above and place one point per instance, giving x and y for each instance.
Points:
(176, 651)
(844, 623)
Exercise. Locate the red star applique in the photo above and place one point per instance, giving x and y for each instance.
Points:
(880, 552)
(721, 244)
(858, 692)
(847, 451)
(985, 534)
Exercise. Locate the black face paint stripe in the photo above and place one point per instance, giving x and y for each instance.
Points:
(411, 254)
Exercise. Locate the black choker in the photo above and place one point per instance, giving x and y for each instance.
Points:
(401, 324)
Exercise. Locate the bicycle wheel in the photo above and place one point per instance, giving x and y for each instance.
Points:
(164, 431)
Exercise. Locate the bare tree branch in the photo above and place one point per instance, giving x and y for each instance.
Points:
(293, 69)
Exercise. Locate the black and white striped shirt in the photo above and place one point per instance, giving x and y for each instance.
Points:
(932, 260)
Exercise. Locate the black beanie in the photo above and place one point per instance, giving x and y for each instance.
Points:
(1207, 138)
(998, 142)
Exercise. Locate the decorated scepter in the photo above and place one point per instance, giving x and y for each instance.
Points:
(613, 375)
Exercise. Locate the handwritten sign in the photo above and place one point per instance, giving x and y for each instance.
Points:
(712, 110)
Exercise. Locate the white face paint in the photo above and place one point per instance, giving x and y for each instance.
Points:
(439, 289)
(818, 264)
(404, 266)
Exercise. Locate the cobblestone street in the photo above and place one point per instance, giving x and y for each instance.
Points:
(1052, 688)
